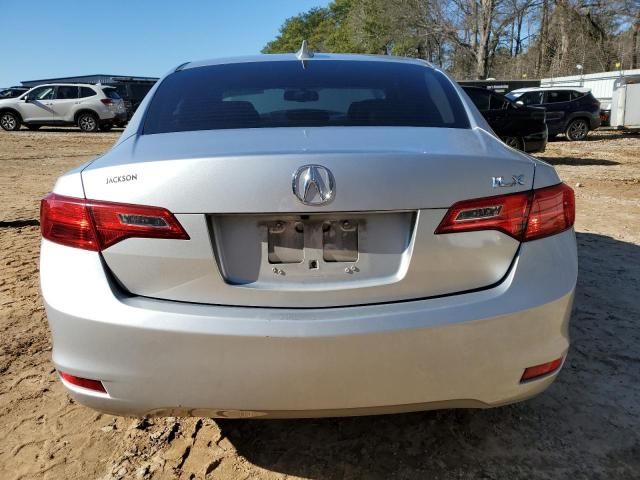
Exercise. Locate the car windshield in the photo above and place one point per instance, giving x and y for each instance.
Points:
(314, 94)
(513, 96)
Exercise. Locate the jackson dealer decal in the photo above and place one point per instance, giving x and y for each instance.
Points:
(122, 178)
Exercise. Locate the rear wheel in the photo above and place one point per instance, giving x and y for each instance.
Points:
(577, 129)
(105, 127)
(9, 121)
(88, 122)
(513, 142)
(34, 127)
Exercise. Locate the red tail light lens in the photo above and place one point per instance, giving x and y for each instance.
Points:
(553, 210)
(540, 370)
(94, 385)
(66, 221)
(524, 216)
(507, 213)
(96, 225)
(107, 101)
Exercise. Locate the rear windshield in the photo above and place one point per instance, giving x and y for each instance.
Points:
(111, 93)
(316, 94)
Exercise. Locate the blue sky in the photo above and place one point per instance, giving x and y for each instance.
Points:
(44, 39)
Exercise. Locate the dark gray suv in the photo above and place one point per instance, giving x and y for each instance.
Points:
(570, 110)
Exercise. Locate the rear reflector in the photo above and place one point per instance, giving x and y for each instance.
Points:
(96, 225)
(524, 216)
(94, 385)
(541, 370)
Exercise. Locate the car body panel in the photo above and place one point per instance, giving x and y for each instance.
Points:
(266, 159)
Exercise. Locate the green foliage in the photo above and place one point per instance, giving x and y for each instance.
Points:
(324, 29)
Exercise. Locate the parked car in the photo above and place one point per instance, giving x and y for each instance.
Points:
(570, 110)
(298, 235)
(518, 126)
(12, 92)
(90, 107)
(132, 94)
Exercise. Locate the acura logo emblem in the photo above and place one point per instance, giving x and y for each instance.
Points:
(314, 185)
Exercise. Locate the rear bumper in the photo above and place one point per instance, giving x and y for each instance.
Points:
(160, 357)
(117, 118)
(536, 143)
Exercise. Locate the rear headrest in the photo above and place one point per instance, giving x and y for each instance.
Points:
(365, 110)
(215, 114)
(392, 112)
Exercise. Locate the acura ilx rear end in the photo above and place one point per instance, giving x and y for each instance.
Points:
(294, 236)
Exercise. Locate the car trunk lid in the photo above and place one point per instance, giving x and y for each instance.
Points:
(253, 242)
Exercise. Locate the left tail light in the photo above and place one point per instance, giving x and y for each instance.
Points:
(107, 101)
(96, 225)
(524, 216)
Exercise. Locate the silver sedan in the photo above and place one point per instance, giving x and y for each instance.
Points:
(307, 235)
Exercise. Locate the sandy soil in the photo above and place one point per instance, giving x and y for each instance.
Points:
(586, 425)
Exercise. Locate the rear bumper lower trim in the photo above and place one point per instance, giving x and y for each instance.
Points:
(157, 356)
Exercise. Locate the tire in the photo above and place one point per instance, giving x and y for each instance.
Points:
(9, 121)
(105, 127)
(34, 127)
(88, 122)
(577, 130)
(514, 142)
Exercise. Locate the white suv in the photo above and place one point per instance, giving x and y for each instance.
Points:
(90, 107)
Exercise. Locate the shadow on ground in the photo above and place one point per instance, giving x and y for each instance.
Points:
(601, 135)
(585, 425)
(61, 130)
(578, 161)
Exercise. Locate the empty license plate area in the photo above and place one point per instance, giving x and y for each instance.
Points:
(294, 240)
(312, 251)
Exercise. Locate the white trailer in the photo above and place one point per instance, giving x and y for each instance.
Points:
(625, 104)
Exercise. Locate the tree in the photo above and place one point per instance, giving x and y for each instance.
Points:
(476, 38)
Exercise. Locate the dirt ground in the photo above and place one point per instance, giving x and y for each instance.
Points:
(587, 425)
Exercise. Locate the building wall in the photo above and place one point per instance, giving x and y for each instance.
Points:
(104, 79)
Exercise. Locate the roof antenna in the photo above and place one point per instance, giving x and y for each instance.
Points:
(304, 53)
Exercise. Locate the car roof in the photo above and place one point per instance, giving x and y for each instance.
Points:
(546, 89)
(69, 85)
(281, 57)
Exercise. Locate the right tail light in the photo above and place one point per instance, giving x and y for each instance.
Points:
(524, 216)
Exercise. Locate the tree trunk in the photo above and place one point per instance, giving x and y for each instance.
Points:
(542, 41)
(634, 42)
(485, 19)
